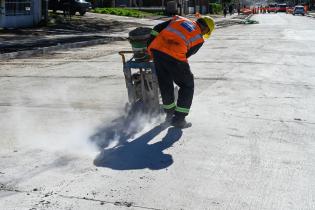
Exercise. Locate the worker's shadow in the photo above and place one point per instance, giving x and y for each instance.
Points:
(135, 154)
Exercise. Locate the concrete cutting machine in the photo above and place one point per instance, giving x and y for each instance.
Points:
(139, 72)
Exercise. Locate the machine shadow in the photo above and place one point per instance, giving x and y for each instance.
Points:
(119, 130)
(138, 154)
(123, 128)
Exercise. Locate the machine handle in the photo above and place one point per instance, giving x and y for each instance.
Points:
(122, 53)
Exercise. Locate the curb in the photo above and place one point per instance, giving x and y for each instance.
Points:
(46, 50)
(311, 16)
(249, 16)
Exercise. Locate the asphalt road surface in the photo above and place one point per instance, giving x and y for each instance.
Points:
(251, 145)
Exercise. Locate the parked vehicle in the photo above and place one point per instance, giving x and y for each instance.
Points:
(298, 10)
(71, 6)
(272, 8)
(282, 7)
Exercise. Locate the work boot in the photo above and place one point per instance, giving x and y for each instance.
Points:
(169, 117)
(180, 122)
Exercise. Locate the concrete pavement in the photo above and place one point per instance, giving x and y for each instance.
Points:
(251, 145)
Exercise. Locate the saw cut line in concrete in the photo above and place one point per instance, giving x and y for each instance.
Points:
(275, 120)
(63, 77)
(116, 203)
(245, 62)
(212, 78)
(237, 79)
(60, 62)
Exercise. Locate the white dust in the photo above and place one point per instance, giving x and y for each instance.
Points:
(48, 120)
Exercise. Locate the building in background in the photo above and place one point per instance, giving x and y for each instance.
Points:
(22, 13)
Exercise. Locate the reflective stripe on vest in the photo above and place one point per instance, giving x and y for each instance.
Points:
(195, 38)
(177, 38)
(178, 33)
(181, 35)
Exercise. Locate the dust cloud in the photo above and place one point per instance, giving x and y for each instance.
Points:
(49, 120)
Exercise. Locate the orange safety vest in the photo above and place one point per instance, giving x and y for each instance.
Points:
(177, 38)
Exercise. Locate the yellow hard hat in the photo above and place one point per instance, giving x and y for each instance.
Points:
(211, 25)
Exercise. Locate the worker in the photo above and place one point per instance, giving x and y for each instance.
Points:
(174, 41)
(225, 11)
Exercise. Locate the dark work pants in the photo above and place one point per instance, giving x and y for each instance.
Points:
(170, 70)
